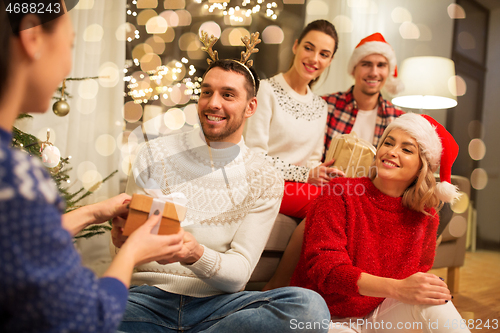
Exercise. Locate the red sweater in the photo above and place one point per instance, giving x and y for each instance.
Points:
(354, 228)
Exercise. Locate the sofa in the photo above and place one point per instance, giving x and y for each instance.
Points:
(450, 253)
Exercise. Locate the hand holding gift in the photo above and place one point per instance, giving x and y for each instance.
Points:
(323, 173)
(352, 155)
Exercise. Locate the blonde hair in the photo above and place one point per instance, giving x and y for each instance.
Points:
(421, 194)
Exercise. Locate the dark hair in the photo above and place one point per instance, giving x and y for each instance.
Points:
(235, 66)
(325, 27)
(9, 28)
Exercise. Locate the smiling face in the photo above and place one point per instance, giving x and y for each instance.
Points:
(224, 105)
(313, 55)
(370, 74)
(398, 159)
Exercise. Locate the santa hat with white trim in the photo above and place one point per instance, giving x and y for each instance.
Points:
(436, 144)
(376, 44)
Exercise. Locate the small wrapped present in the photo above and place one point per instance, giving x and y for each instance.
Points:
(352, 155)
(143, 206)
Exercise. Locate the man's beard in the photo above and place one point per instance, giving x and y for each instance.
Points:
(232, 125)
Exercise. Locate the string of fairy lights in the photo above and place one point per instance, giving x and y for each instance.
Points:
(152, 85)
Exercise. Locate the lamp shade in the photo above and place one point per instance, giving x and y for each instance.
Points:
(429, 82)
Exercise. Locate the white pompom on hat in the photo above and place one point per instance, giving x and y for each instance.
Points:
(376, 44)
(436, 144)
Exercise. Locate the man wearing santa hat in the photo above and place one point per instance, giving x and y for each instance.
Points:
(362, 109)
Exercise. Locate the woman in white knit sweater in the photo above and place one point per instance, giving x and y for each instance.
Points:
(289, 123)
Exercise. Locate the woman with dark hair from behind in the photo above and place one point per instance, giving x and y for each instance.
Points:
(44, 287)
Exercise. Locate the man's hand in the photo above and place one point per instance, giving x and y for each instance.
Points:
(422, 288)
(190, 252)
(322, 174)
(117, 232)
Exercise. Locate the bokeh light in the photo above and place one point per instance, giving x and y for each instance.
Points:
(400, 15)
(317, 7)
(132, 112)
(83, 168)
(477, 149)
(88, 89)
(273, 34)
(174, 4)
(466, 40)
(456, 11)
(156, 43)
(425, 33)
(93, 33)
(189, 41)
(461, 204)
(109, 75)
(85, 106)
(168, 36)
(184, 18)
(409, 30)
(156, 25)
(125, 31)
(475, 129)
(151, 112)
(170, 17)
(147, 4)
(105, 145)
(457, 226)
(145, 15)
(174, 119)
(191, 114)
(457, 85)
(343, 24)
(150, 62)
(140, 50)
(211, 28)
(91, 180)
(479, 178)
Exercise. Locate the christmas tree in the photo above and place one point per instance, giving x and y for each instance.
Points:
(58, 167)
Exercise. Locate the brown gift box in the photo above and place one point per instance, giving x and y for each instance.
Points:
(139, 211)
(352, 155)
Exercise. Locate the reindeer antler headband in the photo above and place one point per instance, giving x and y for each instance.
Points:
(250, 43)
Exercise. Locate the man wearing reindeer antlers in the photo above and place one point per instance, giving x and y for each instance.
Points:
(233, 199)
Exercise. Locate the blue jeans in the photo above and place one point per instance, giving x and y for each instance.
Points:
(289, 309)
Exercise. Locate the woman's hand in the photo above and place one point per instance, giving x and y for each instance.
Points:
(105, 210)
(100, 212)
(322, 174)
(422, 288)
(144, 246)
(141, 247)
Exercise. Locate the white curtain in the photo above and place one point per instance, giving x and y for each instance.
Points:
(90, 132)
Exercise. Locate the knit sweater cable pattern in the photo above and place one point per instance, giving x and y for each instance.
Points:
(231, 210)
(288, 128)
(355, 228)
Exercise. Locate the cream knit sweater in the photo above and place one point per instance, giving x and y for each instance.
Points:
(288, 127)
(234, 197)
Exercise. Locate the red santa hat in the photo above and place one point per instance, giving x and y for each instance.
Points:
(436, 144)
(376, 44)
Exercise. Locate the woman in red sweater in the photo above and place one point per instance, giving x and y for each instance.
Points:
(369, 242)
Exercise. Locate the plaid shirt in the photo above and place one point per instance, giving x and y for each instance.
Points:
(342, 112)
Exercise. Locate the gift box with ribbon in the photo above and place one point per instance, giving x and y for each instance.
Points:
(172, 208)
(352, 155)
